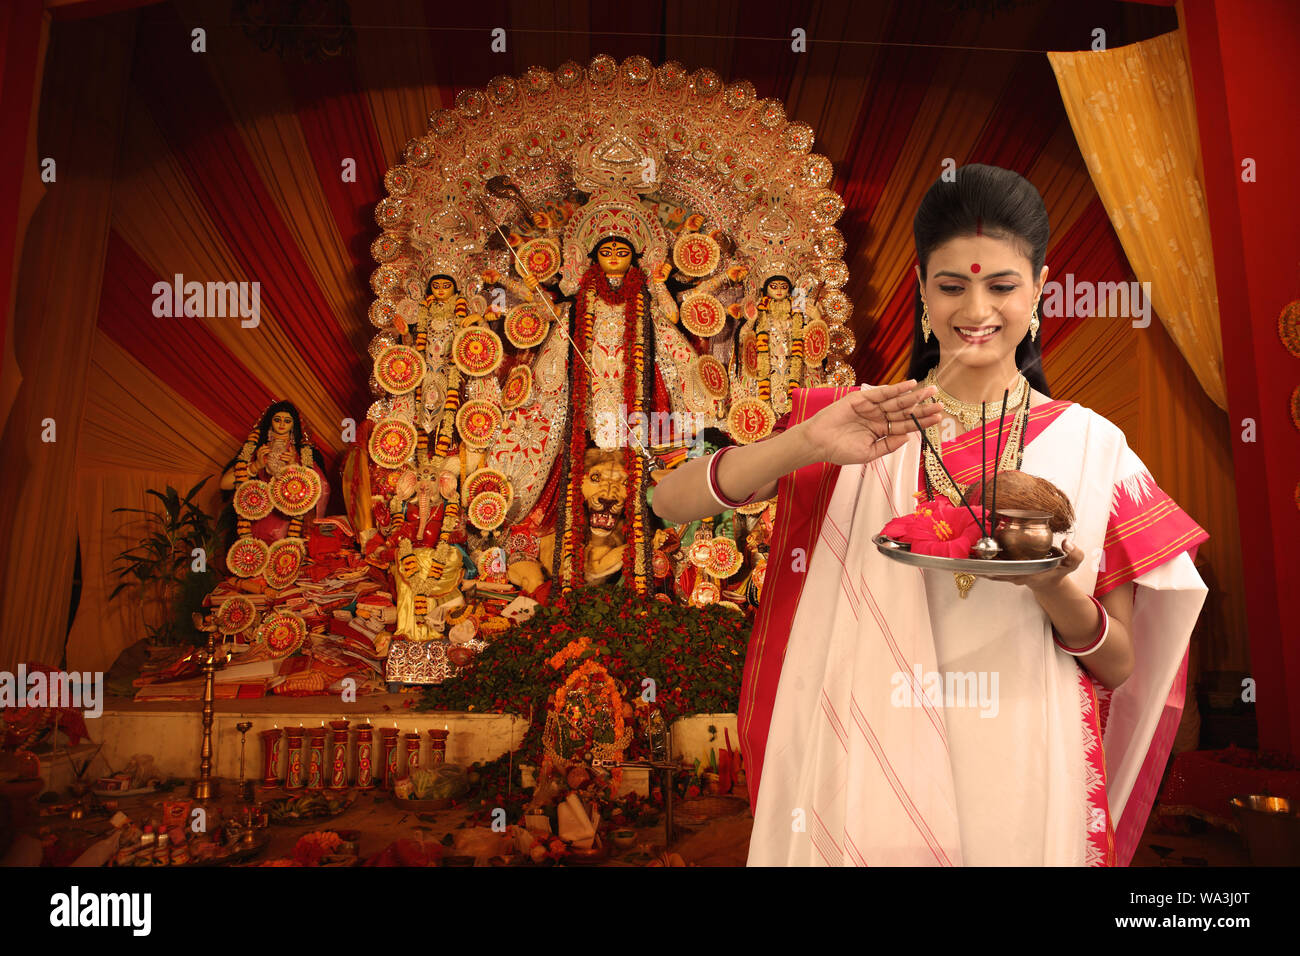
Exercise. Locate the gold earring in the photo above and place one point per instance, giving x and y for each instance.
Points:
(1033, 323)
(925, 321)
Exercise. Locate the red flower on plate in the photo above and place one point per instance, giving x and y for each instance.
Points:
(937, 528)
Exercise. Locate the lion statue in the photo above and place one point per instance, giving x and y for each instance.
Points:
(604, 489)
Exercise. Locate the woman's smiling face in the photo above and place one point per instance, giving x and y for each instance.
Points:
(980, 292)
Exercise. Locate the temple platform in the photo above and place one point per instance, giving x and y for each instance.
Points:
(172, 733)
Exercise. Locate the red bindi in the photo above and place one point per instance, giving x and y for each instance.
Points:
(975, 267)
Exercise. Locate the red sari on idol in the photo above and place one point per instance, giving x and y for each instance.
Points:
(887, 721)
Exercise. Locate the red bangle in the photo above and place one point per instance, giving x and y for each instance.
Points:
(1097, 642)
(714, 490)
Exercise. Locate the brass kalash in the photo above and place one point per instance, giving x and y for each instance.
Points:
(633, 243)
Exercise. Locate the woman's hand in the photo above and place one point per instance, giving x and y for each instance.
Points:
(871, 422)
(1046, 581)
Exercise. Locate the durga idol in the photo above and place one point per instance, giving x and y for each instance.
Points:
(631, 361)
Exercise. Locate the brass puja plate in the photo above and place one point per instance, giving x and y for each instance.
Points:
(902, 553)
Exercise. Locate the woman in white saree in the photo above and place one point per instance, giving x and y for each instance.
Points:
(888, 720)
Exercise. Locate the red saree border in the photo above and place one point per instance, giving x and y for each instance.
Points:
(1144, 534)
(1099, 831)
(1137, 809)
(802, 499)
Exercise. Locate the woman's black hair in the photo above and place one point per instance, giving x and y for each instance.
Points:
(985, 200)
(428, 286)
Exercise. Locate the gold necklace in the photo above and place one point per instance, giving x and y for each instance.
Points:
(1012, 453)
(969, 413)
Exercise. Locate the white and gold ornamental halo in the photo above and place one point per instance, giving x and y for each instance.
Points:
(701, 177)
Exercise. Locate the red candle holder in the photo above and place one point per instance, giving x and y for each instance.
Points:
(365, 757)
(316, 758)
(293, 775)
(388, 739)
(271, 743)
(339, 755)
(437, 747)
(412, 752)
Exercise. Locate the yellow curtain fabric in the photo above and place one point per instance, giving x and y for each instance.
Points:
(1134, 117)
(136, 434)
(54, 328)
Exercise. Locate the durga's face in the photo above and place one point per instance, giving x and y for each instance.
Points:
(778, 288)
(441, 289)
(615, 258)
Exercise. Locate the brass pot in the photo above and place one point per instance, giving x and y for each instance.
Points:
(1270, 827)
(1024, 535)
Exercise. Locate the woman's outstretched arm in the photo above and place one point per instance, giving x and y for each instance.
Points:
(861, 427)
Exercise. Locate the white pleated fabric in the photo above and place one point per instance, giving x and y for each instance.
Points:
(915, 728)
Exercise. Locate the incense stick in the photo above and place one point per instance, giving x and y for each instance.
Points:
(984, 477)
(947, 474)
(997, 458)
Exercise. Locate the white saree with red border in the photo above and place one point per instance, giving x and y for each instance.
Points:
(886, 721)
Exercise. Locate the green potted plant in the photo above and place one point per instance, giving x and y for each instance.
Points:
(171, 566)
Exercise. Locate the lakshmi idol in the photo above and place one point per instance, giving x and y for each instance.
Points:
(1059, 765)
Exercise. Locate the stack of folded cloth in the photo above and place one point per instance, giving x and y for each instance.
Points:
(344, 603)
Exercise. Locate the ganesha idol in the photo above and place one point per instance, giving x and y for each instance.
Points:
(277, 481)
(418, 535)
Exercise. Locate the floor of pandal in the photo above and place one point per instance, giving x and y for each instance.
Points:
(723, 841)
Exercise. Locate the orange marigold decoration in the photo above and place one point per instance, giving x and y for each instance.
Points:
(585, 721)
(569, 652)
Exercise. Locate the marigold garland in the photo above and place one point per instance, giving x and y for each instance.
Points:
(569, 652)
